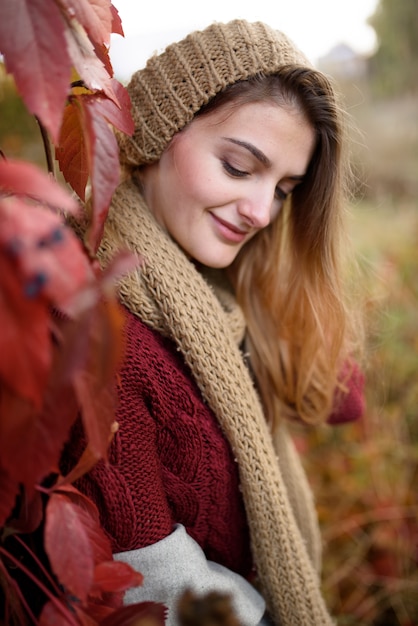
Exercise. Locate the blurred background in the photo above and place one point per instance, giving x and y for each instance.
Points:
(364, 474)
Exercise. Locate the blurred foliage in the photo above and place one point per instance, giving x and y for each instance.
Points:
(365, 475)
(19, 131)
(394, 66)
(384, 142)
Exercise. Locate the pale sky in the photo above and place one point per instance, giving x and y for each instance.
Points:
(314, 25)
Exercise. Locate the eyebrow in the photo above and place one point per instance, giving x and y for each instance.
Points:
(259, 155)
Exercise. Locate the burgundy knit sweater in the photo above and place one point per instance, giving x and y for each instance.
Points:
(169, 461)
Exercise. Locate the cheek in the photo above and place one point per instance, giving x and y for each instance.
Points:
(194, 172)
(196, 186)
(186, 174)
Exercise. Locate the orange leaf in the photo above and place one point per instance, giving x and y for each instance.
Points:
(33, 44)
(71, 151)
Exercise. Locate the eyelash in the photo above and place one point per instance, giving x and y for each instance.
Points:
(230, 169)
(233, 171)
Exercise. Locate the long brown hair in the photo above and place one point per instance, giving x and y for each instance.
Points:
(288, 278)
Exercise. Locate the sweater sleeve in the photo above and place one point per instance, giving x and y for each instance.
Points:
(349, 403)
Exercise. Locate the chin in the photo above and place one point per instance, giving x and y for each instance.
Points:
(215, 263)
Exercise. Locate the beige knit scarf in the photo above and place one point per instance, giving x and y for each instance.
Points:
(170, 295)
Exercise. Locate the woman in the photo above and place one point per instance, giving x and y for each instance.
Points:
(236, 323)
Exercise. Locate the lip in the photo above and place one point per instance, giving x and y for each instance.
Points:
(228, 231)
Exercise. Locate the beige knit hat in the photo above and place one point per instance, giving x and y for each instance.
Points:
(174, 85)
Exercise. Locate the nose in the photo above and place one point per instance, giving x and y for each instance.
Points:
(256, 209)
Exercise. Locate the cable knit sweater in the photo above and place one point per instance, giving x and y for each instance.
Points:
(169, 461)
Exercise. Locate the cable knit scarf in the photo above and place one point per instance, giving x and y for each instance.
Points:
(170, 295)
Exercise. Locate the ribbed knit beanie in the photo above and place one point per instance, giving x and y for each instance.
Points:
(175, 84)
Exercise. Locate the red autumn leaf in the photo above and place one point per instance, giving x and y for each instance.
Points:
(90, 69)
(104, 285)
(100, 546)
(45, 255)
(67, 544)
(104, 168)
(53, 615)
(118, 114)
(25, 179)
(98, 611)
(25, 348)
(99, 542)
(116, 21)
(95, 384)
(102, 53)
(114, 576)
(83, 501)
(84, 618)
(31, 441)
(97, 411)
(94, 15)
(141, 614)
(63, 263)
(122, 263)
(71, 149)
(33, 44)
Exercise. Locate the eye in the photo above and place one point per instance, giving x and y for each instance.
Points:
(280, 194)
(233, 171)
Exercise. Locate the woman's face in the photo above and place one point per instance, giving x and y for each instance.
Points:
(226, 176)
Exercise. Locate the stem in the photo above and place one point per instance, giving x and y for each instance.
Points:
(59, 605)
(39, 564)
(47, 147)
(78, 83)
(19, 592)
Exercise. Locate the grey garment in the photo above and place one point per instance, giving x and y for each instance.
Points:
(177, 563)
